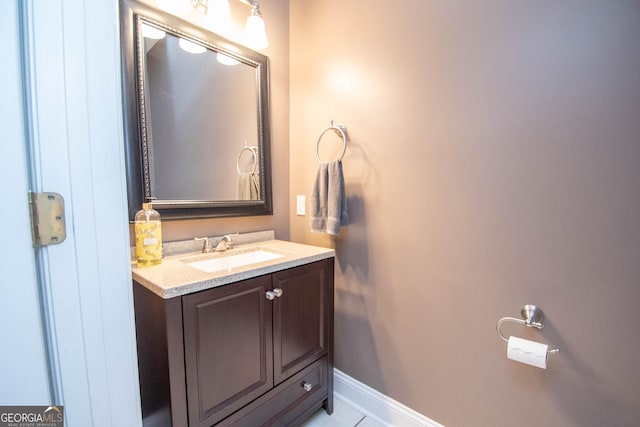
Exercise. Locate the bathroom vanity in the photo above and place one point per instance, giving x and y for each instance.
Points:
(226, 344)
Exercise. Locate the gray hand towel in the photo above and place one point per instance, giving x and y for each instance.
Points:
(328, 202)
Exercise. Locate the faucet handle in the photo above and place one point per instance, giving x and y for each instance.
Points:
(206, 247)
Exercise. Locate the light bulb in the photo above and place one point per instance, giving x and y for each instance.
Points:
(219, 17)
(255, 34)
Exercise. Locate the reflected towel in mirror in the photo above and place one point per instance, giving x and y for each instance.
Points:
(248, 187)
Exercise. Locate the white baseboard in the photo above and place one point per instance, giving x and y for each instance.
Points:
(376, 405)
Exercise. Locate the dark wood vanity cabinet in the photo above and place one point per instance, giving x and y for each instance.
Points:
(254, 352)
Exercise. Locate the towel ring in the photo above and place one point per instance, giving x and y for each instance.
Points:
(254, 152)
(341, 131)
(532, 317)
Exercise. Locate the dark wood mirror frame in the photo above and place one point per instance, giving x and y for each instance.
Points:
(135, 144)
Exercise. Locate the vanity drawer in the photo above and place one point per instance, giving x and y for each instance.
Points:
(294, 397)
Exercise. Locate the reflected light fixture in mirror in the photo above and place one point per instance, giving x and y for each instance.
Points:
(219, 14)
(152, 32)
(226, 59)
(191, 47)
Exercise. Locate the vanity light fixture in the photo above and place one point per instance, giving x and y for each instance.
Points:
(174, 7)
(219, 13)
(255, 34)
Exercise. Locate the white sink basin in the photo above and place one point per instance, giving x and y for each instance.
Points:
(223, 261)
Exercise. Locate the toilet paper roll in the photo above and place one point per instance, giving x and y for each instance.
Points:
(529, 352)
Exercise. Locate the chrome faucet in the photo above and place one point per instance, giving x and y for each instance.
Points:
(225, 243)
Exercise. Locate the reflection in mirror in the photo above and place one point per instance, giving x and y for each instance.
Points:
(199, 143)
(191, 98)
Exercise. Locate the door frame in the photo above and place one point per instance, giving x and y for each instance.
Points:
(73, 111)
(23, 360)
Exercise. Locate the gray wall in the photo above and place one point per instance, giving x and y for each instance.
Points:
(494, 162)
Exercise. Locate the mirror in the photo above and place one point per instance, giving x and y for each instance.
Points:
(196, 119)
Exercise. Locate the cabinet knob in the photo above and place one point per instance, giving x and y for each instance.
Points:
(307, 386)
(276, 293)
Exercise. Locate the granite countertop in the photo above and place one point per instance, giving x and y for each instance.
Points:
(174, 277)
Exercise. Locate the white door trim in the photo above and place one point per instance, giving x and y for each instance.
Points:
(24, 372)
(76, 136)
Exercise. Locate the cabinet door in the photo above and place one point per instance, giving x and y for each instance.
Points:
(228, 348)
(301, 317)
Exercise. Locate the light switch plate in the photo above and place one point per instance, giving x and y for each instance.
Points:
(300, 204)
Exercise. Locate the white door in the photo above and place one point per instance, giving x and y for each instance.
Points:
(84, 356)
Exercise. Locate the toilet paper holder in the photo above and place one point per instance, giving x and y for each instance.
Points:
(532, 317)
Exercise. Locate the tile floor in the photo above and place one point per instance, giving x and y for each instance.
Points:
(343, 416)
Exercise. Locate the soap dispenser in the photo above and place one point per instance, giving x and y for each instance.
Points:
(148, 231)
